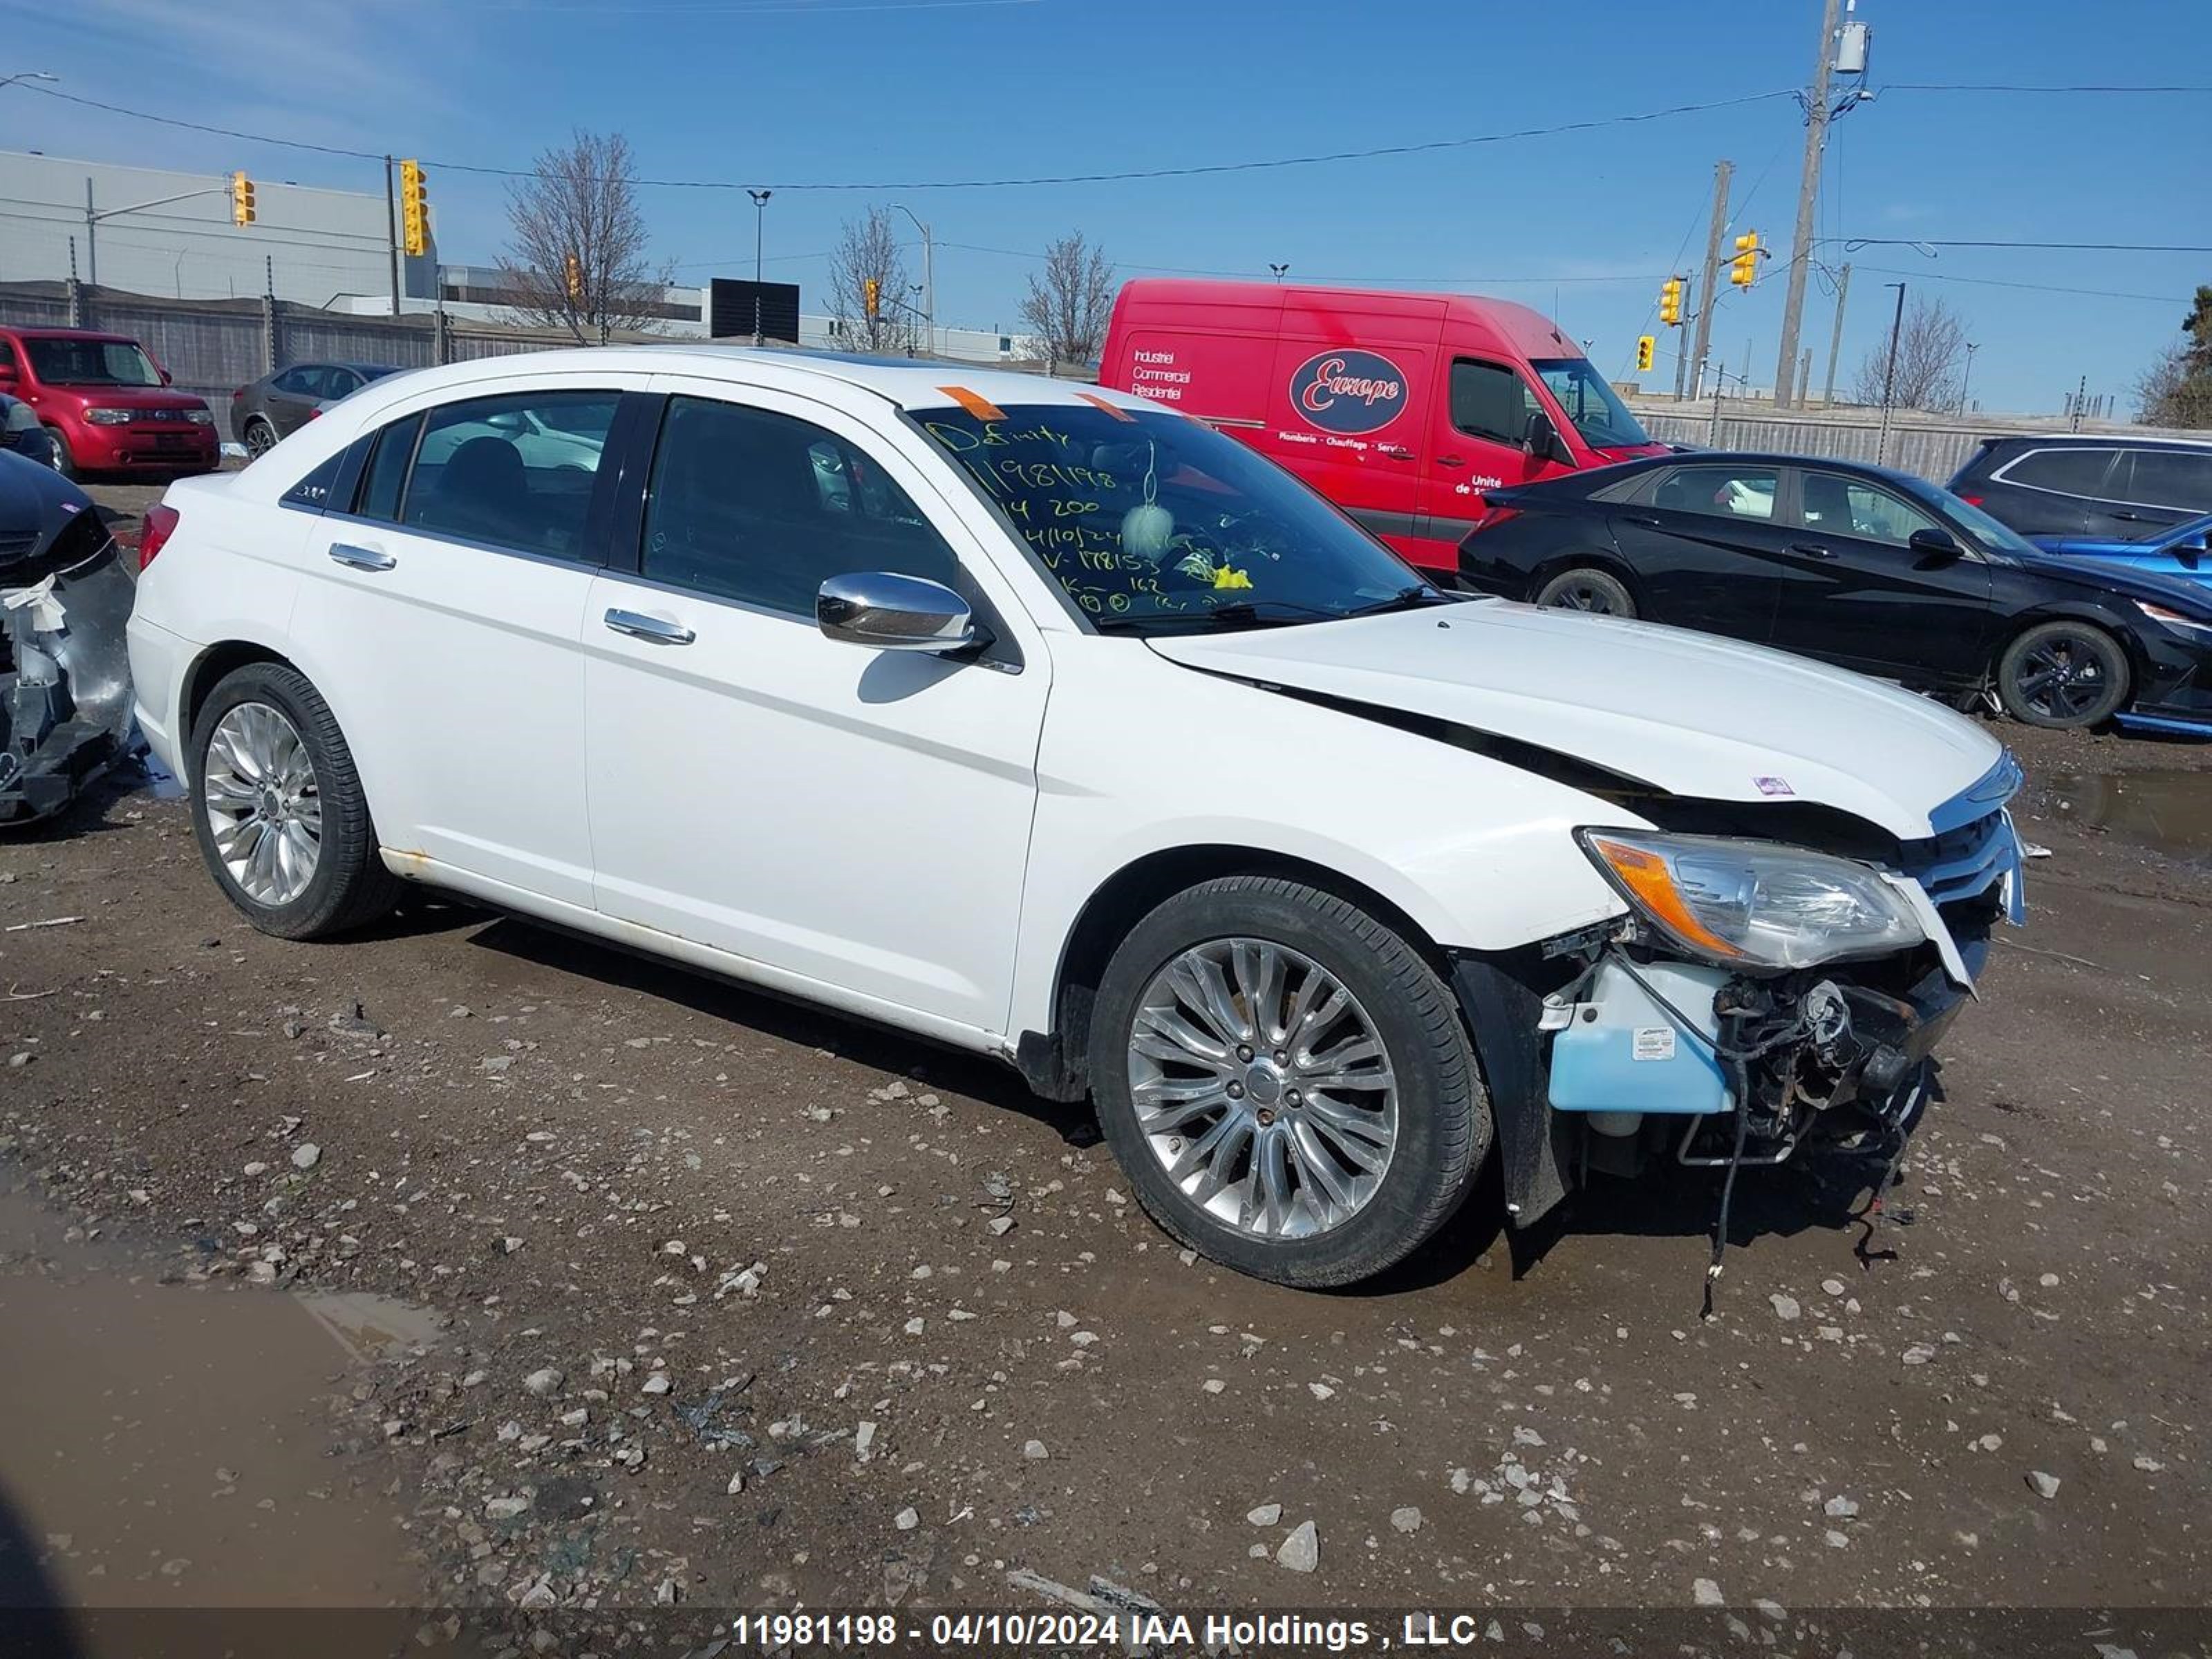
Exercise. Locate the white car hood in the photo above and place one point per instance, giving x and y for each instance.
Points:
(1692, 713)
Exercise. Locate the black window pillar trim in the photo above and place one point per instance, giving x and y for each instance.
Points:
(618, 525)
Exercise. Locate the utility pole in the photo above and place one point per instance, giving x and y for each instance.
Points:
(91, 238)
(1711, 274)
(1682, 357)
(391, 233)
(1809, 188)
(1889, 377)
(1836, 336)
(1967, 379)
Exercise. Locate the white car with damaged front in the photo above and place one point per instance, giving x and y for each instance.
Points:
(1049, 724)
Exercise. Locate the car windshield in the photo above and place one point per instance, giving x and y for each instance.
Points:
(91, 362)
(1988, 534)
(1153, 523)
(1600, 415)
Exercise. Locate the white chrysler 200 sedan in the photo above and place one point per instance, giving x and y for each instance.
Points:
(1052, 725)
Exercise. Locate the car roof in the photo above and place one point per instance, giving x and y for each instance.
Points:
(102, 334)
(1602, 475)
(908, 383)
(2092, 439)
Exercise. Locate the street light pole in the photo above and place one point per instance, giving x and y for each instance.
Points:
(1280, 270)
(929, 279)
(1889, 376)
(760, 230)
(1967, 379)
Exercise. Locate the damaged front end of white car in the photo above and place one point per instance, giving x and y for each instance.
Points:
(1778, 986)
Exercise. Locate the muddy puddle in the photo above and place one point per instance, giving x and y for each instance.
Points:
(2170, 811)
(174, 1446)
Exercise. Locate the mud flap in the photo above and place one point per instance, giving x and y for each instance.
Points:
(1503, 1010)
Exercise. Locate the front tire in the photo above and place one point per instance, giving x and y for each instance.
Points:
(260, 438)
(64, 463)
(2063, 675)
(278, 810)
(1287, 1082)
(1589, 589)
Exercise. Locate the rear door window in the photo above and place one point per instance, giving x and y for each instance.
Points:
(515, 471)
(2167, 477)
(1724, 492)
(2069, 471)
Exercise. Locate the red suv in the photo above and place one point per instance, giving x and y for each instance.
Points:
(105, 402)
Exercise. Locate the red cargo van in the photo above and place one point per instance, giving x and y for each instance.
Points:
(1400, 408)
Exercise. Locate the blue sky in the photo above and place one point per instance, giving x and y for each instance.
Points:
(1583, 225)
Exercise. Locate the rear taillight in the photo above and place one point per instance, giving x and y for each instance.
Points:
(1971, 500)
(1493, 517)
(154, 533)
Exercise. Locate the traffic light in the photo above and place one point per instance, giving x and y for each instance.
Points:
(872, 296)
(241, 199)
(1744, 268)
(1670, 302)
(573, 277)
(414, 211)
(1645, 346)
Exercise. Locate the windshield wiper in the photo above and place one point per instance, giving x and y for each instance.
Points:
(1406, 598)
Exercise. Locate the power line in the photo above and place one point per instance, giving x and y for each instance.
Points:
(1852, 243)
(1194, 170)
(2037, 288)
(1933, 86)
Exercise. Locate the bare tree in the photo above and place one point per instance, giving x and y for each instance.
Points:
(1069, 302)
(1931, 356)
(576, 253)
(2176, 390)
(868, 252)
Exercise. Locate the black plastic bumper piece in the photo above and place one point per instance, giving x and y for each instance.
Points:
(1503, 1009)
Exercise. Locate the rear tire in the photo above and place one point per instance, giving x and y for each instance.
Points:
(1351, 1133)
(278, 810)
(64, 463)
(2063, 676)
(1588, 589)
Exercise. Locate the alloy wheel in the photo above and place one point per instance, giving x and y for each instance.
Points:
(2063, 676)
(1263, 1088)
(261, 803)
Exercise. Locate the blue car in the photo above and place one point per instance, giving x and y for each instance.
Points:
(2177, 550)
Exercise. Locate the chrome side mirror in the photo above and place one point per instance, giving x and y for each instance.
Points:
(889, 612)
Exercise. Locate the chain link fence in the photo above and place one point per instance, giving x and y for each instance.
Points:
(213, 347)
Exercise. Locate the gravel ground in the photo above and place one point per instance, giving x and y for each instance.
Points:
(741, 1305)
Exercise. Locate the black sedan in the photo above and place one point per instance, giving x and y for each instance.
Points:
(1861, 567)
(278, 404)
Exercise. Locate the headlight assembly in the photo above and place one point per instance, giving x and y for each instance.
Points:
(1754, 904)
(108, 416)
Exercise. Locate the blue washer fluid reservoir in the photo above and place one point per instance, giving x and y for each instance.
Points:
(1632, 1056)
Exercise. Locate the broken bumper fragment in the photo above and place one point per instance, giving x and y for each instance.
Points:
(64, 676)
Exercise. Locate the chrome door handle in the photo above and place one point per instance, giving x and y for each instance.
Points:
(1811, 551)
(360, 558)
(654, 629)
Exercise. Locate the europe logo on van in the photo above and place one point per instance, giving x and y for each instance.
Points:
(1348, 391)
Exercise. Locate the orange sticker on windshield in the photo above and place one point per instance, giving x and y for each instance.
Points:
(981, 407)
(1114, 410)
